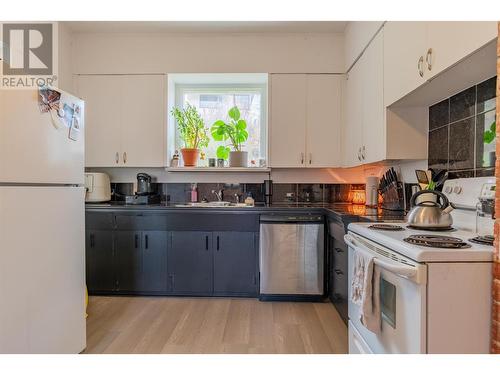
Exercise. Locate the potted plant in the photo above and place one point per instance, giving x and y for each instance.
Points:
(234, 131)
(192, 131)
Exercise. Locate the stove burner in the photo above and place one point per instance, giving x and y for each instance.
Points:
(483, 240)
(433, 229)
(389, 227)
(435, 240)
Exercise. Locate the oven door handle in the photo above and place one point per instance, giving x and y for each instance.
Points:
(401, 270)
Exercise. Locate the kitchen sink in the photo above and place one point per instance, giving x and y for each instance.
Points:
(214, 204)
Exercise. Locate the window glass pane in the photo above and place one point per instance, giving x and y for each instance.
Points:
(214, 105)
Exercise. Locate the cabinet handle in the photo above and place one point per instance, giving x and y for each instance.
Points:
(136, 239)
(171, 282)
(338, 272)
(146, 241)
(92, 241)
(310, 158)
(117, 158)
(206, 243)
(218, 247)
(420, 63)
(428, 59)
(301, 158)
(124, 158)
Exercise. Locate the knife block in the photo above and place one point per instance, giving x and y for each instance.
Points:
(393, 197)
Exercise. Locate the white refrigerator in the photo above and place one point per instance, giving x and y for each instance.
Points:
(42, 224)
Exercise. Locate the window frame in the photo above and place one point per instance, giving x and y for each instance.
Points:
(182, 88)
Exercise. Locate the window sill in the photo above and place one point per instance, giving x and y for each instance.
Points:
(218, 170)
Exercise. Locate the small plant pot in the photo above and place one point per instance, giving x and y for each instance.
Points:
(190, 156)
(238, 159)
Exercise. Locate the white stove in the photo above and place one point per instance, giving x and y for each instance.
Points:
(395, 240)
(433, 299)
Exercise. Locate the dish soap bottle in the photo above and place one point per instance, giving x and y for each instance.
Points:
(249, 201)
(194, 193)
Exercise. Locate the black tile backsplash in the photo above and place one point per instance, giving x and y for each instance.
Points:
(462, 105)
(439, 114)
(486, 95)
(300, 193)
(438, 148)
(457, 127)
(461, 149)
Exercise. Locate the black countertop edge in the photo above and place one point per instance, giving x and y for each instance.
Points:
(340, 209)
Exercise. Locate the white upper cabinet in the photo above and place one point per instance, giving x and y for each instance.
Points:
(364, 121)
(323, 120)
(374, 126)
(305, 118)
(103, 118)
(450, 42)
(352, 130)
(288, 120)
(143, 125)
(404, 49)
(415, 52)
(125, 120)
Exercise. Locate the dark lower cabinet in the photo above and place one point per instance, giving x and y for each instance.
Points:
(136, 254)
(189, 263)
(99, 261)
(154, 261)
(235, 263)
(128, 260)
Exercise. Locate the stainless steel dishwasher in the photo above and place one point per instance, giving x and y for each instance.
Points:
(292, 252)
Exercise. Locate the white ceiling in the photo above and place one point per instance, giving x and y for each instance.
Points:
(207, 26)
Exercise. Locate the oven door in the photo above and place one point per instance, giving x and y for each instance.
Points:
(402, 300)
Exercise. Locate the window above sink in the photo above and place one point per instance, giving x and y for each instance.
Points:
(213, 96)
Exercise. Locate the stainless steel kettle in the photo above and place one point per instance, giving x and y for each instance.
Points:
(430, 214)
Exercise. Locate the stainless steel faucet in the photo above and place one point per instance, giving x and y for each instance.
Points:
(219, 194)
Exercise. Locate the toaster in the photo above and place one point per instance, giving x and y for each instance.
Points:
(98, 187)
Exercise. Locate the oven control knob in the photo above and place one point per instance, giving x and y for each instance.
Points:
(448, 189)
(457, 189)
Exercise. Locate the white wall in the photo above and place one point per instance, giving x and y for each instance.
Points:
(65, 58)
(357, 36)
(208, 53)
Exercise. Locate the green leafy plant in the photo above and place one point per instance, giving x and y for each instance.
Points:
(191, 127)
(234, 131)
(489, 135)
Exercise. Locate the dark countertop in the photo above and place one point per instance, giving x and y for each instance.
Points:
(329, 209)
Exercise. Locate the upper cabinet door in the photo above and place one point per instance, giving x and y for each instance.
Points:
(103, 116)
(288, 120)
(404, 54)
(450, 42)
(323, 120)
(143, 126)
(374, 126)
(352, 135)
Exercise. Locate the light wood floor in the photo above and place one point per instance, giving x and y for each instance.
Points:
(212, 325)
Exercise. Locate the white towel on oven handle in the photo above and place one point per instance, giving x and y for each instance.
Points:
(365, 289)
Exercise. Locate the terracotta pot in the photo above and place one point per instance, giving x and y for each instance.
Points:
(238, 159)
(190, 156)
